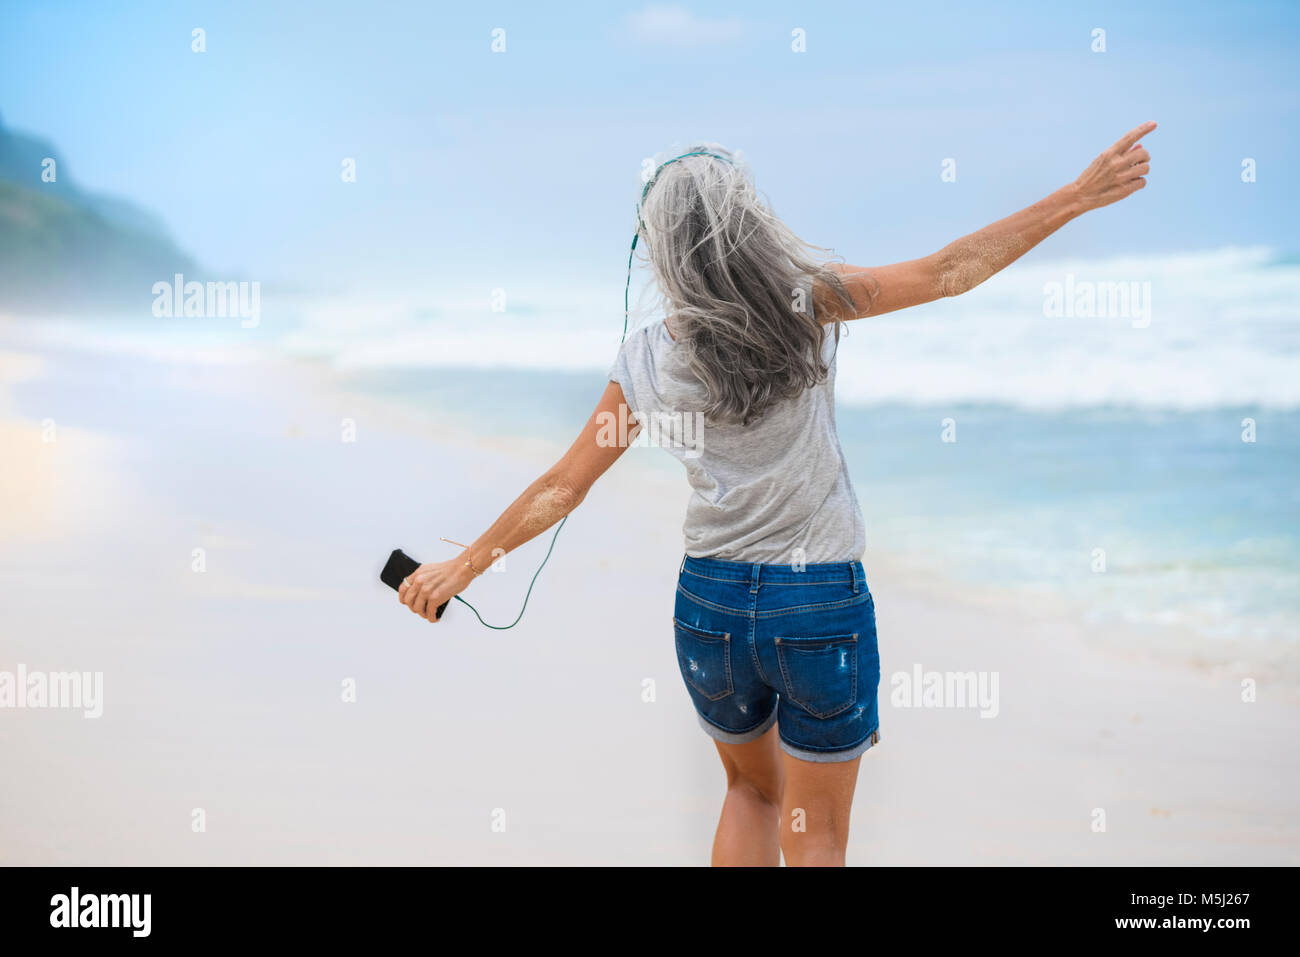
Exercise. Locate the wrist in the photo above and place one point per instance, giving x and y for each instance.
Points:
(468, 568)
(1072, 200)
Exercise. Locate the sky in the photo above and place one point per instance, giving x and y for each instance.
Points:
(472, 164)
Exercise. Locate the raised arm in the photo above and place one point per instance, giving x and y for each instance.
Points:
(961, 266)
(550, 498)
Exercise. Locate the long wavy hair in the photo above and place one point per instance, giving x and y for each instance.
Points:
(736, 285)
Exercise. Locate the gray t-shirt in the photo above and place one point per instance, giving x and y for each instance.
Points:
(776, 491)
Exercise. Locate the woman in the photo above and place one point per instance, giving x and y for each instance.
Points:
(774, 624)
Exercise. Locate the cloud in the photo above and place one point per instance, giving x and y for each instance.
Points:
(665, 25)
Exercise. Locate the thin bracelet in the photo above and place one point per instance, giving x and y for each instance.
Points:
(469, 562)
(527, 594)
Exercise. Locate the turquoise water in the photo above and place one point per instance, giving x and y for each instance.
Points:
(1195, 527)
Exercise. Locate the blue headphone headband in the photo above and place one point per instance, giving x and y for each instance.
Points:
(627, 290)
(655, 175)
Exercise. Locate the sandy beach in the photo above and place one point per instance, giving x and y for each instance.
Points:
(207, 536)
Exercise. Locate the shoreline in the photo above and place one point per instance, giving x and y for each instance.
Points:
(1236, 619)
(921, 580)
(1174, 645)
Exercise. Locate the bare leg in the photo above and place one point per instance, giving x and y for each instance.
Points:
(815, 811)
(747, 830)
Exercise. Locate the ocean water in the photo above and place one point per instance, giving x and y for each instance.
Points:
(1136, 454)
(1142, 517)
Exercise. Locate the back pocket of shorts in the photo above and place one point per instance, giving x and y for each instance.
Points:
(705, 659)
(820, 674)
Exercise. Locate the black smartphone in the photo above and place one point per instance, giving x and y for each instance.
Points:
(399, 566)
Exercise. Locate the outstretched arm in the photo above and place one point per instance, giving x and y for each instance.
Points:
(961, 266)
(553, 496)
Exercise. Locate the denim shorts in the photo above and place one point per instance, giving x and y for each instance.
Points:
(783, 644)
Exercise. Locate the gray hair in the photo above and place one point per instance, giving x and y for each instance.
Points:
(736, 282)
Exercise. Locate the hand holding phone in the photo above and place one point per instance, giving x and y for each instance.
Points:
(398, 567)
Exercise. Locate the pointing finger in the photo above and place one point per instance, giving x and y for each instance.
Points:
(1132, 136)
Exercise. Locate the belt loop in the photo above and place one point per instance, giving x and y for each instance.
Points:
(753, 576)
(682, 567)
(858, 578)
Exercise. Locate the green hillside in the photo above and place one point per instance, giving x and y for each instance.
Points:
(65, 250)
